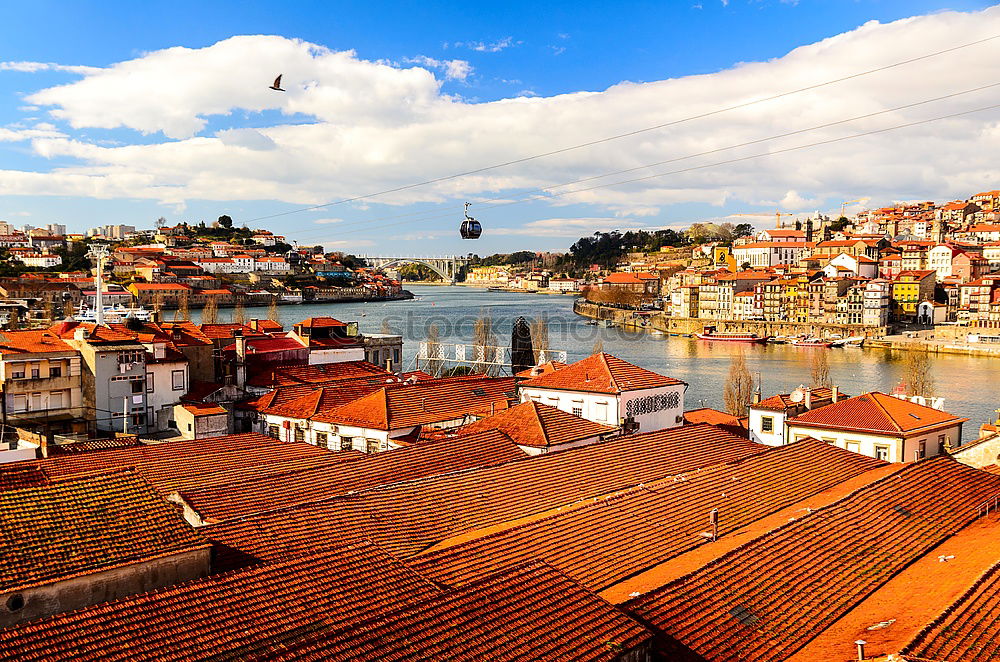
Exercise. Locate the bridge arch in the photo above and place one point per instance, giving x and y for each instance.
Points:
(445, 267)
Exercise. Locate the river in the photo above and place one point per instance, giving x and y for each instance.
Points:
(969, 385)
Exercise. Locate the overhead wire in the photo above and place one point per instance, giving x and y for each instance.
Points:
(503, 200)
(634, 132)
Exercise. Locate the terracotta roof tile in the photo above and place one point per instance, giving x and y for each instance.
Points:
(540, 425)
(316, 374)
(771, 596)
(529, 612)
(876, 412)
(601, 541)
(76, 526)
(601, 373)
(406, 405)
(31, 342)
(409, 517)
(276, 490)
(228, 616)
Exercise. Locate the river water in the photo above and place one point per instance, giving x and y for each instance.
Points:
(969, 385)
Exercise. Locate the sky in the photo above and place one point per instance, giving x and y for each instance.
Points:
(123, 112)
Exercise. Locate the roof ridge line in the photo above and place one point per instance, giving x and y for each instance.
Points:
(899, 428)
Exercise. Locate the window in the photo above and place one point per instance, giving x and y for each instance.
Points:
(55, 371)
(601, 411)
(149, 382)
(18, 373)
(882, 453)
(138, 386)
(55, 400)
(35, 373)
(371, 445)
(321, 440)
(177, 379)
(300, 434)
(829, 440)
(922, 449)
(854, 446)
(20, 403)
(767, 424)
(347, 443)
(272, 431)
(578, 411)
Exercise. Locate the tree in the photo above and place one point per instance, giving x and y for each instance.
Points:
(272, 311)
(225, 221)
(598, 346)
(540, 338)
(68, 310)
(484, 339)
(819, 366)
(239, 312)
(183, 313)
(742, 230)
(160, 223)
(210, 313)
(737, 392)
(917, 377)
(434, 362)
(839, 224)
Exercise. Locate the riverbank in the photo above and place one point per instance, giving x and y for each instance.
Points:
(875, 337)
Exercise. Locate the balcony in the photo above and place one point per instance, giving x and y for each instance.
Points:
(62, 382)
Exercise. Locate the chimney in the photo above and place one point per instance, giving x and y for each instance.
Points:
(154, 316)
(809, 398)
(835, 393)
(388, 365)
(241, 358)
(860, 643)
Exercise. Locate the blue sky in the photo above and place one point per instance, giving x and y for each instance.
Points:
(113, 156)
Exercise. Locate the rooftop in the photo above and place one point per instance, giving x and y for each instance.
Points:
(540, 425)
(877, 413)
(601, 373)
(68, 527)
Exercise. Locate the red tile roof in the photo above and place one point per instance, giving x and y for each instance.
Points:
(31, 342)
(228, 616)
(878, 413)
(76, 526)
(321, 323)
(601, 541)
(316, 374)
(409, 517)
(540, 425)
(544, 369)
(399, 406)
(17, 475)
(771, 596)
(529, 612)
(204, 408)
(278, 490)
(969, 629)
(783, 401)
(601, 373)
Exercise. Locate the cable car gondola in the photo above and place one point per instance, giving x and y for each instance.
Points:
(471, 228)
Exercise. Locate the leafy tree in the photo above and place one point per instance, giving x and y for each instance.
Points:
(225, 221)
(742, 230)
(839, 224)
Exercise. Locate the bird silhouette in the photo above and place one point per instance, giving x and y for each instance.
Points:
(277, 84)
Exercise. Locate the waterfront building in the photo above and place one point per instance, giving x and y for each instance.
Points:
(877, 302)
(908, 290)
(880, 426)
(767, 418)
(764, 254)
(605, 389)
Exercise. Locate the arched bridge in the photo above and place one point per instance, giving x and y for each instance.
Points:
(445, 266)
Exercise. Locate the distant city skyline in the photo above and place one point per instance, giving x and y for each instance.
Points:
(164, 110)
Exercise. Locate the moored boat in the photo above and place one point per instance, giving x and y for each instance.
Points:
(812, 342)
(712, 335)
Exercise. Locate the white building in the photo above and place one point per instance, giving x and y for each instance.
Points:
(565, 284)
(763, 254)
(607, 390)
(876, 302)
(244, 263)
(537, 428)
(880, 426)
(40, 261)
(272, 264)
(768, 417)
(167, 379)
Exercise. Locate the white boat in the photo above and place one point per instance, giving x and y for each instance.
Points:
(292, 298)
(113, 314)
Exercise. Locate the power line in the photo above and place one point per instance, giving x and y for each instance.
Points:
(664, 162)
(599, 141)
(736, 160)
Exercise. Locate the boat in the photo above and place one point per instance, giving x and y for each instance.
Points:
(812, 342)
(591, 322)
(609, 323)
(852, 341)
(714, 336)
(113, 314)
(657, 332)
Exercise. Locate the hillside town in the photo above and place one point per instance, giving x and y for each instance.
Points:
(183, 491)
(51, 274)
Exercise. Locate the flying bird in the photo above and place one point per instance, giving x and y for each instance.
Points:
(277, 84)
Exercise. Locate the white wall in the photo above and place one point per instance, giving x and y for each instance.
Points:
(900, 449)
(776, 437)
(610, 409)
(318, 356)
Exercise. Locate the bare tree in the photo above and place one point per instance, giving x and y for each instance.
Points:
(738, 389)
(598, 346)
(272, 311)
(68, 310)
(239, 312)
(385, 329)
(819, 366)
(917, 376)
(434, 362)
(183, 313)
(210, 313)
(540, 338)
(50, 310)
(484, 339)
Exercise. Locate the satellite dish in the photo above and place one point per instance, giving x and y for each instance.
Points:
(797, 395)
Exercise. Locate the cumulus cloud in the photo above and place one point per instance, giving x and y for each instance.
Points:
(486, 46)
(452, 69)
(355, 126)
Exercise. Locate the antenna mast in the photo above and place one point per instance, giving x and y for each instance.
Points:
(98, 252)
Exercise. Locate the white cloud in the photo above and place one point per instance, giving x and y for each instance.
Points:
(326, 221)
(453, 69)
(373, 126)
(487, 46)
(34, 67)
(342, 243)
